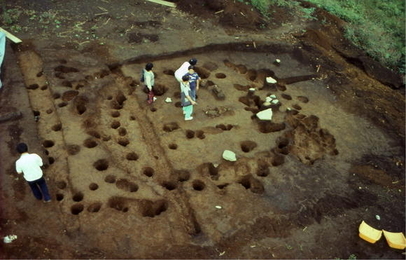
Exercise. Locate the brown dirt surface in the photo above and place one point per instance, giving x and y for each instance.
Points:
(133, 180)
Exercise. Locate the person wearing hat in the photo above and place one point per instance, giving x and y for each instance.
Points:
(179, 73)
(29, 164)
(186, 98)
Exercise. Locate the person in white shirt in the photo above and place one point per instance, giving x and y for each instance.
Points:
(149, 81)
(179, 73)
(30, 166)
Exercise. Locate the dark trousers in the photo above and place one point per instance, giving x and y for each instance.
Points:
(39, 189)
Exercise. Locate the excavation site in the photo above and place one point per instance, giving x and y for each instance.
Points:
(129, 179)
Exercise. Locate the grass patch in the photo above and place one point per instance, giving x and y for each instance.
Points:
(375, 26)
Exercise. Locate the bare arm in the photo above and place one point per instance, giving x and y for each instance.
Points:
(191, 100)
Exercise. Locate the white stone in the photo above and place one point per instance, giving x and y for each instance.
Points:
(272, 96)
(265, 114)
(275, 101)
(229, 156)
(271, 80)
(168, 100)
(10, 238)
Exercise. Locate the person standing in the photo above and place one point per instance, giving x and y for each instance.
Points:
(183, 69)
(149, 81)
(30, 166)
(186, 99)
(2, 52)
(194, 81)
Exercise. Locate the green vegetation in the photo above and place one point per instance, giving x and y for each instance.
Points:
(376, 26)
(263, 5)
(351, 257)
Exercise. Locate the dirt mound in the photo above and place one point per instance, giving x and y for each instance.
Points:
(229, 14)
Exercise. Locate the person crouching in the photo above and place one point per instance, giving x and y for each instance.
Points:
(29, 164)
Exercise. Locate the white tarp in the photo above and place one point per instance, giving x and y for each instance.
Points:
(2, 50)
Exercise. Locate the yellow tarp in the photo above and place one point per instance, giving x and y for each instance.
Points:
(369, 233)
(395, 240)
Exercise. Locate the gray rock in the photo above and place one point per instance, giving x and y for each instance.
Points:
(10, 116)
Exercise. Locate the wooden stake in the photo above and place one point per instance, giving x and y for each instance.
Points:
(10, 36)
(161, 2)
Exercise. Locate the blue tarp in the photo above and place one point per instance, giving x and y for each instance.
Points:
(2, 50)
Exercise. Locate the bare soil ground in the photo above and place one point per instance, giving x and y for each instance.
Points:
(132, 180)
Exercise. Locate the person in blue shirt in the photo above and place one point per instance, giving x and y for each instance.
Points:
(194, 81)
